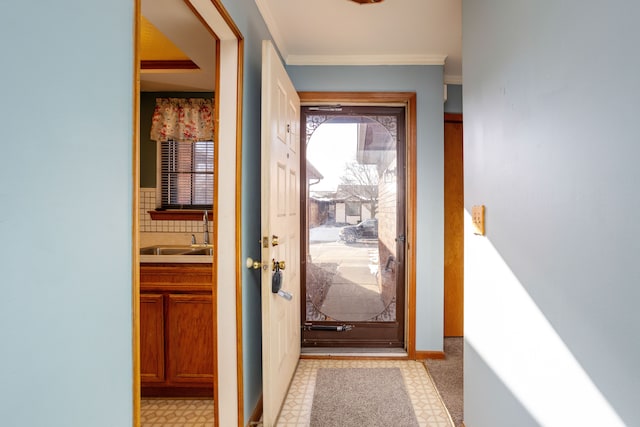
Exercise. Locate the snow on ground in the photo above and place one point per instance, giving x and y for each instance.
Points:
(324, 233)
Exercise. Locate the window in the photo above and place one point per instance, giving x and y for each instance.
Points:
(353, 208)
(186, 175)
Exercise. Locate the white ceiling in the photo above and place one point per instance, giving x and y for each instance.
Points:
(341, 32)
(322, 32)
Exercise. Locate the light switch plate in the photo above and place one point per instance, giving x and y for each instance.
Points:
(477, 218)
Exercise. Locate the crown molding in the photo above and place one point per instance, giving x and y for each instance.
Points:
(365, 59)
(419, 59)
(452, 80)
(272, 26)
(168, 64)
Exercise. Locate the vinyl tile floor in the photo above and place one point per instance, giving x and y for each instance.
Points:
(176, 412)
(429, 408)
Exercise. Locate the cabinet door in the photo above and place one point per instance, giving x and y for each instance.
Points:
(190, 339)
(151, 338)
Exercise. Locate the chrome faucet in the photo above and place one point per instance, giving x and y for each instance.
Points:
(205, 220)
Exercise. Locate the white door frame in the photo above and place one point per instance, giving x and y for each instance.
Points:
(227, 223)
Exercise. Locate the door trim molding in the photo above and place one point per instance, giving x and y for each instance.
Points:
(422, 355)
(453, 225)
(453, 117)
(408, 100)
(135, 229)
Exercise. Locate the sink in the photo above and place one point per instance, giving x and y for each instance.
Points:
(176, 250)
(200, 251)
(161, 250)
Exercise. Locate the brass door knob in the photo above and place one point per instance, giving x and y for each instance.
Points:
(251, 263)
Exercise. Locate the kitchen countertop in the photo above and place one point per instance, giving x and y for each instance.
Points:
(176, 254)
(172, 259)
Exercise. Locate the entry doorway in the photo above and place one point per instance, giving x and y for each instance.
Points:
(228, 76)
(354, 231)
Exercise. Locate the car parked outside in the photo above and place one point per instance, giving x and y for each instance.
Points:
(367, 229)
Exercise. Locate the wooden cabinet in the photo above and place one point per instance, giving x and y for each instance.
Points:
(176, 330)
(151, 338)
(190, 338)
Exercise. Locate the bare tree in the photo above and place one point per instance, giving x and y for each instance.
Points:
(361, 181)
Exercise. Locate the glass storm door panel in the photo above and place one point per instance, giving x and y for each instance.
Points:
(354, 227)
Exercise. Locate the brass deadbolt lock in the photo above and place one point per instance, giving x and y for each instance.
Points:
(278, 265)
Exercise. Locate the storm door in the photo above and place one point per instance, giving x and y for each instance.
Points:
(353, 233)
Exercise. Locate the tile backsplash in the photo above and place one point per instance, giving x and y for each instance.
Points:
(147, 225)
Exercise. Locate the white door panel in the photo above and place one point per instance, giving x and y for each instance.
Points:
(280, 217)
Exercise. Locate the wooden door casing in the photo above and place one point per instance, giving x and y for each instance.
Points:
(453, 226)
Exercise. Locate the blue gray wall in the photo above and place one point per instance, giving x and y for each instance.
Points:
(551, 148)
(246, 16)
(426, 81)
(454, 99)
(66, 213)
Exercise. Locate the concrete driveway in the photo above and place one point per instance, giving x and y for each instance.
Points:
(353, 294)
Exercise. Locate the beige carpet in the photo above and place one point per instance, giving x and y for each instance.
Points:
(448, 376)
(356, 397)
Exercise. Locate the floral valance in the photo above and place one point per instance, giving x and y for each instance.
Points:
(182, 119)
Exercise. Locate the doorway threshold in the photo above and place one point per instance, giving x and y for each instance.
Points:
(311, 352)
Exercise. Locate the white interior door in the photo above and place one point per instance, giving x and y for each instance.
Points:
(280, 231)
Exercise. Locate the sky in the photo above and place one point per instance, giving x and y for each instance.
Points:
(330, 147)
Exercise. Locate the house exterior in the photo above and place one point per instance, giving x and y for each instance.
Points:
(349, 204)
(550, 100)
